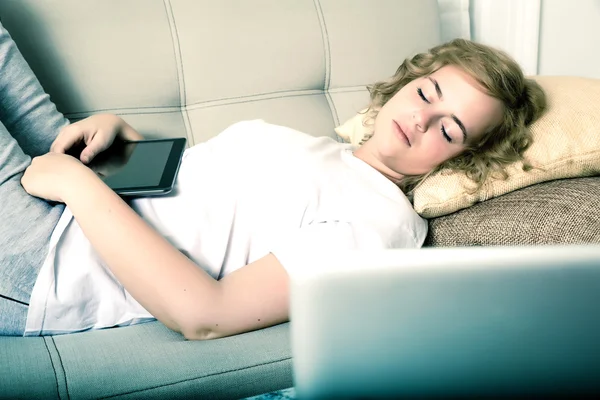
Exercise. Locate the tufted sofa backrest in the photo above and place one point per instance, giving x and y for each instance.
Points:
(192, 67)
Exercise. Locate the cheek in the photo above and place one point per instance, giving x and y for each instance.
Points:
(437, 151)
(398, 102)
(435, 147)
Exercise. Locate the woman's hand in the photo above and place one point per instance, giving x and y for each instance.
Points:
(94, 135)
(52, 175)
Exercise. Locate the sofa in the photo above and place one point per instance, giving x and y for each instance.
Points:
(190, 68)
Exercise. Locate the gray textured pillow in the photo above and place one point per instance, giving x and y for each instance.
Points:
(557, 212)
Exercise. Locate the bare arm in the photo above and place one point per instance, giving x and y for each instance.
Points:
(169, 285)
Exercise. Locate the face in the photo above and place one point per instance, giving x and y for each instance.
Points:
(429, 121)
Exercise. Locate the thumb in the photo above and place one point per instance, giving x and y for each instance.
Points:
(98, 144)
(87, 155)
(68, 137)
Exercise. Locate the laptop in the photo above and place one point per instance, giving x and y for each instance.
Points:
(447, 322)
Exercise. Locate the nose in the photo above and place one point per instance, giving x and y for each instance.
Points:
(422, 119)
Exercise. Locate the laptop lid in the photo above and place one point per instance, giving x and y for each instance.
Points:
(499, 321)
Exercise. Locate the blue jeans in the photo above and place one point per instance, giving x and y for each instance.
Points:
(29, 123)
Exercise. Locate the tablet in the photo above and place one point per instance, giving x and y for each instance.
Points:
(140, 168)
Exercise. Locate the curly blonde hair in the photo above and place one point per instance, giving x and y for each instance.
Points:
(500, 77)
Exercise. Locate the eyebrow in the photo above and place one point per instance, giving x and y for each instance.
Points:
(461, 126)
(454, 117)
(437, 87)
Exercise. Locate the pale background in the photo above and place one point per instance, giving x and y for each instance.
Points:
(547, 37)
(570, 38)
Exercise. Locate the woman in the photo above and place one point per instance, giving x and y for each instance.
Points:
(213, 259)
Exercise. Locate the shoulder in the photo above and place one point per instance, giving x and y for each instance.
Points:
(360, 196)
(391, 218)
(395, 230)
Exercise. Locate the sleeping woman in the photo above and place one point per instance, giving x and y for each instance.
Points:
(213, 258)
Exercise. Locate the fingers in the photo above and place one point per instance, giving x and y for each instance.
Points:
(97, 144)
(74, 134)
(69, 136)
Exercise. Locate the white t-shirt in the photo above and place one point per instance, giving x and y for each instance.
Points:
(255, 188)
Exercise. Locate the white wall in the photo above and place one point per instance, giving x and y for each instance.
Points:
(570, 38)
(510, 25)
(547, 37)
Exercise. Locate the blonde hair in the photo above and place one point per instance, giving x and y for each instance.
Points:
(500, 77)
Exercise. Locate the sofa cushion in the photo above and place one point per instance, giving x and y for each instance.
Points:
(566, 145)
(31, 358)
(556, 212)
(145, 361)
(151, 361)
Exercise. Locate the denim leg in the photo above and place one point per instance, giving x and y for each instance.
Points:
(29, 124)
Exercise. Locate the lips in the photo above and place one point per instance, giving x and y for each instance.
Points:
(400, 133)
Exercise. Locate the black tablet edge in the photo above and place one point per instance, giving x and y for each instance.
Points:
(169, 176)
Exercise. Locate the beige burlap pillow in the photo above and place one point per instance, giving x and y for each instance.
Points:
(566, 145)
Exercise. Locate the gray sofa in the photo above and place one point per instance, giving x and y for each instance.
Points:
(191, 68)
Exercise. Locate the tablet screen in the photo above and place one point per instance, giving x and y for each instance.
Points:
(140, 165)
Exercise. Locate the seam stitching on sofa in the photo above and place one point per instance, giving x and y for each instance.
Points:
(62, 367)
(347, 89)
(173, 48)
(327, 48)
(327, 53)
(252, 100)
(180, 74)
(292, 93)
(53, 367)
(132, 110)
(197, 378)
(334, 109)
(343, 89)
(184, 111)
(11, 299)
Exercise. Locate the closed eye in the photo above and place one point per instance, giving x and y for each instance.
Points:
(420, 92)
(446, 136)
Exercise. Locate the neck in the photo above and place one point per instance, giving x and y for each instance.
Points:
(371, 158)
